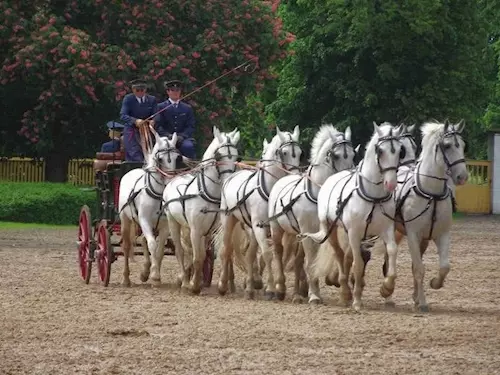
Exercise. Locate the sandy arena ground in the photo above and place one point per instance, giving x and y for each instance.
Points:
(52, 323)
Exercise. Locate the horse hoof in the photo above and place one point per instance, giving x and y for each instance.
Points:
(385, 291)
(195, 291)
(249, 294)
(258, 284)
(356, 307)
(436, 283)
(330, 282)
(297, 299)
(315, 301)
(390, 304)
(126, 283)
(280, 295)
(232, 287)
(423, 308)
(155, 283)
(144, 277)
(269, 296)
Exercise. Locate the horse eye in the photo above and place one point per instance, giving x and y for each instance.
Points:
(447, 146)
(284, 153)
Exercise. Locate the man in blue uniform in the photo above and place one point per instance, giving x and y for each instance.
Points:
(178, 117)
(136, 107)
(115, 132)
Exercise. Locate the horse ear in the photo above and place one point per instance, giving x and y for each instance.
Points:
(348, 133)
(155, 133)
(411, 128)
(446, 125)
(296, 133)
(216, 132)
(174, 139)
(460, 126)
(233, 132)
(236, 138)
(377, 129)
(402, 129)
(356, 150)
(265, 143)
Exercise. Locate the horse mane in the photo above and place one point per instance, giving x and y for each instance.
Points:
(273, 146)
(374, 139)
(148, 158)
(212, 147)
(325, 132)
(431, 133)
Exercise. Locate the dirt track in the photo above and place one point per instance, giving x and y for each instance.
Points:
(52, 323)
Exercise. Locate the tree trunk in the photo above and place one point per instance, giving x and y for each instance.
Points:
(56, 167)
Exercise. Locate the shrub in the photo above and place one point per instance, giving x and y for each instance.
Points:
(46, 203)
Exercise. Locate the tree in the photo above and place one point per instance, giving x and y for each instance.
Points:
(75, 57)
(361, 61)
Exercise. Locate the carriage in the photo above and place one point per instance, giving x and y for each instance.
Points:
(98, 238)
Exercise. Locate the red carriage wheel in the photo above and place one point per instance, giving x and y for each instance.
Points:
(208, 264)
(84, 244)
(104, 252)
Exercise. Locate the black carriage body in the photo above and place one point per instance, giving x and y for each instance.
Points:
(108, 190)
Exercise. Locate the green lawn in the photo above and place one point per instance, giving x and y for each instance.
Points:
(12, 225)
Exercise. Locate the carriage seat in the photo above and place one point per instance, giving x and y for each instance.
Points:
(103, 159)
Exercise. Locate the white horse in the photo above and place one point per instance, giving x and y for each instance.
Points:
(406, 165)
(424, 201)
(140, 201)
(361, 202)
(192, 201)
(293, 205)
(245, 198)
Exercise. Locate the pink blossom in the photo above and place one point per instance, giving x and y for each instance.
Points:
(84, 54)
(196, 55)
(185, 71)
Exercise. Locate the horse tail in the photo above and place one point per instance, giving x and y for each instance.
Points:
(377, 246)
(324, 261)
(291, 247)
(186, 245)
(241, 243)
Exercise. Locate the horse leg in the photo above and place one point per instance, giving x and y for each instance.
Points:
(161, 241)
(423, 247)
(226, 253)
(310, 251)
(418, 269)
(147, 231)
(126, 248)
(146, 268)
(303, 284)
(232, 286)
(199, 253)
(267, 254)
(389, 283)
(277, 237)
(175, 234)
(443, 248)
(298, 295)
(345, 290)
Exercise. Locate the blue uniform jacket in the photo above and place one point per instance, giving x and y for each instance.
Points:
(133, 110)
(180, 120)
(111, 146)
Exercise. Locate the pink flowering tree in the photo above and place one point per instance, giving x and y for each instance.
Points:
(72, 62)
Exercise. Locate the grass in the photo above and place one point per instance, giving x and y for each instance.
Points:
(13, 225)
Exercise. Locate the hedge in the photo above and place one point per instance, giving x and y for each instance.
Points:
(45, 203)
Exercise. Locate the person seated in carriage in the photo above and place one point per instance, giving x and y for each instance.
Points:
(115, 134)
(136, 107)
(177, 117)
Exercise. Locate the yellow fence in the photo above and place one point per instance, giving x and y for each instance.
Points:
(474, 197)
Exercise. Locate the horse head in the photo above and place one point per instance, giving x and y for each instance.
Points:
(445, 140)
(333, 148)
(385, 146)
(164, 154)
(285, 149)
(410, 145)
(223, 150)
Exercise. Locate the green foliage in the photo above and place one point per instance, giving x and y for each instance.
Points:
(68, 62)
(46, 203)
(387, 60)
